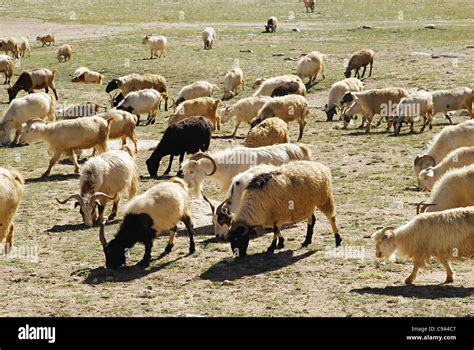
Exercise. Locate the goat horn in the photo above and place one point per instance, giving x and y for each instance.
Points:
(424, 206)
(102, 239)
(74, 196)
(208, 201)
(418, 207)
(201, 155)
(98, 195)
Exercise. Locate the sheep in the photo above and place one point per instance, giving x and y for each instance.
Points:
(337, 91)
(232, 80)
(220, 166)
(454, 189)
(445, 101)
(288, 108)
(24, 47)
(103, 178)
(142, 101)
(450, 138)
(37, 105)
(286, 195)
(11, 192)
(188, 136)
(271, 25)
(222, 215)
(200, 88)
(371, 102)
(360, 59)
(64, 53)
(87, 109)
(6, 66)
(9, 44)
(446, 235)
(135, 82)
(309, 4)
(86, 76)
(155, 43)
(67, 136)
(157, 210)
(271, 131)
(417, 104)
(310, 66)
(267, 86)
(31, 80)
(289, 88)
(243, 111)
(202, 106)
(208, 37)
(122, 127)
(458, 158)
(46, 39)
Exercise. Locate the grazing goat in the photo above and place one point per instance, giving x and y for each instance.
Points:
(157, 210)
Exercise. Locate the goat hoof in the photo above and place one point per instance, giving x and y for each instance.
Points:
(270, 250)
(449, 280)
(192, 249)
(305, 244)
(338, 239)
(111, 217)
(168, 248)
(180, 174)
(409, 281)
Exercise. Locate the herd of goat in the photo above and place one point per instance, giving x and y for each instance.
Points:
(267, 182)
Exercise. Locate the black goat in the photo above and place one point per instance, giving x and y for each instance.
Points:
(188, 136)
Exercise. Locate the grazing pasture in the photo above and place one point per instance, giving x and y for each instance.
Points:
(373, 178)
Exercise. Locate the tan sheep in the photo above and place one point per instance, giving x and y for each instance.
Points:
(6, 66)
(9, 45)
(447, 235)
(360, 59)
(232, 81)
(310, 66)
(64, 53)
(244, 110)
(450, 138)
(445, 101)
(122, 127)
(371, 102)
(135, 82)
(86, 76)
(24, 47)
(458, 158)
(309, 4)
(11, 192)
(288, 108)
(203, 106)
(286, 195)
(67, 136)
(454, 189)
(46, 39)
(269, 132)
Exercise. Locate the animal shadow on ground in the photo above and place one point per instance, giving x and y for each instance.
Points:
(200, 231)
(68, 162)
(422, 292)
(252, 265)
(57, 177)
(77, 227)
(228, 137)
(126, 273)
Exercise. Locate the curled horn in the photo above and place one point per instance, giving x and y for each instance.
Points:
(102, 239)
(201, 155)
(97, 195)
(213, 209)
(423, 206)
(74, 196)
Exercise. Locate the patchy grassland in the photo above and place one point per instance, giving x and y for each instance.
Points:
(373, 177)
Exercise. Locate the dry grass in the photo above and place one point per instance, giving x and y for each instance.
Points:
(373, 177)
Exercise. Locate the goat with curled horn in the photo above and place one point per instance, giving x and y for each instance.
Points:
(102, 179)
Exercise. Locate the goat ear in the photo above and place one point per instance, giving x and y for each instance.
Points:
(430, 172)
